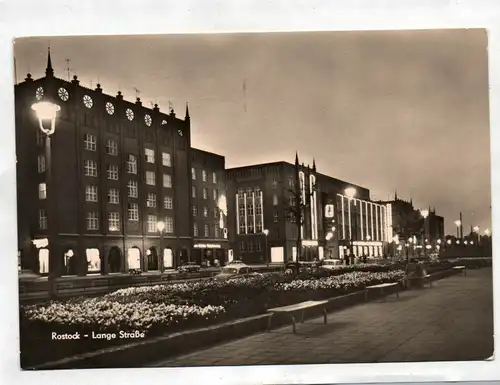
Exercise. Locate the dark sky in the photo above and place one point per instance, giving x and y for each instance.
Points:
(405, 110)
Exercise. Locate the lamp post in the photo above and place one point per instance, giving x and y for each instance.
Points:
(47, 111)
(476, 230)
(350, 193)
(161, 226)
(425, 214)
(266, 233)
(458, 223)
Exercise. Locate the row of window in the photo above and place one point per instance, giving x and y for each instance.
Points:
(215, 211)
(208, 231)
(204, 175)
(92, 220)
(250, 246)
(215, 193)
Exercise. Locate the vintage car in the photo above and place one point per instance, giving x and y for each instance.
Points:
(330, 264)
(189, 267)
(239, 270)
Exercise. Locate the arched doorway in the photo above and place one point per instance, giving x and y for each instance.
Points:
(115, 259)
(152, 255)
(93, 261)
(134, 258)
(168, 258)
(70, 264)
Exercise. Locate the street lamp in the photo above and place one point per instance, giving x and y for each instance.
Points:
(350, 193)
(161, 226)
(487, 232)
(476, 230)
(458, 223)
(47, 112)
(266, 233)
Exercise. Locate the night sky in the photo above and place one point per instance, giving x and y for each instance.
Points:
(405, 110)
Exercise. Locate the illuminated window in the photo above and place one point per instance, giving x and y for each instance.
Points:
(214, 177)
(194, 211)
(42, 191)
(133, 212)
(204, 175)
(216, 232)
(275, 183)
(113, 196)
(193, 191)
(113, 221)
(241, 193)
(258, 227)
(169, 225)
(41, 163)
(152, 222)
(207, 231)
(42, 219)
(90, 142)
(91, 193)
(93, 261)
(215, 193)
(276, 217)
(133, 191)
(195, 229)
(166, 161)
(193, 173)
(205, 193)
(167, 180)
(168, 203)
(151, 200)
(90, 168)
(150, 155)
(132, 164)
(150, 178)
(111, 147)
(92, 220)
(205, 212)
(275, 200)
(112, 171)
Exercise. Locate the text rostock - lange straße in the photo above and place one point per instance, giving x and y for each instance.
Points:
(99, 336)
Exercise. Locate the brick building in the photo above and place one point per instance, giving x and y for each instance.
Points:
(264, 223)
(91, 202)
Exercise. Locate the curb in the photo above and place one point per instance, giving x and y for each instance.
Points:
(150, 350)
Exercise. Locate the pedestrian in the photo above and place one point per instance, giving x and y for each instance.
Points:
(365, 258)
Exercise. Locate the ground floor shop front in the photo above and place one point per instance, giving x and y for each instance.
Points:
(80, 255)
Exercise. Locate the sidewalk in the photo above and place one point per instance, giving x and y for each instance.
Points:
(451, 321)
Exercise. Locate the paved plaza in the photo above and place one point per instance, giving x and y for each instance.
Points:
(451, 321)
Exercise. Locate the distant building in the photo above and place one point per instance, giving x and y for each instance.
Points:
(264, 199)
(117, 170)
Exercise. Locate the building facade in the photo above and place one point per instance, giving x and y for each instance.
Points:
(281, 211)
(109, 190)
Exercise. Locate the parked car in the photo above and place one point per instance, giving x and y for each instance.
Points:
(239, 270)
(235, 262)
(329, 264)
(301, 266)
(189, 267)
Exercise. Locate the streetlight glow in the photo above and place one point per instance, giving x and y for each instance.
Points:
(424, 213)
(350, 192)
(160, 226)
(458, 222)
(476, 229)
(46, 111)
(487, 232)
(266, 232)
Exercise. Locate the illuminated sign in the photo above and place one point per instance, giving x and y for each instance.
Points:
(362, 243)
(329, 211)
(207, 246)
(39, 243)
(309, 243)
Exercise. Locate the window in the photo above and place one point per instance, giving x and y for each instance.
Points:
(165, 159)
(91, 193)
(193, 173)
(216, 212)
(113, 196)
(290, 182)
(132, 164)
(167, 180)
(150, 178)
(112, 171)
(195, 229)
(167, 203)
(258, 227)
(92, 221)
(250, 246)
(205, 193)
(275, 200)
(276, 217)
(40, 138)
(151, 200)
(41, 163)
(111, 147)
(275, 183)
(214, 177)
(258, 208)
(42, 191)
(42, 219)
(90, 168)
(242, 246)
(207, 231)
(257, 247)
(152, 221)
(133, 212)
(205, 212)
(241, 193)
(193, 191)
(132, 189)
(215, 193)
(216, 231)
(150, 155)
(194, 210)
(169, 225)
(90, 142)
(204, 175)
(242, 225)
(291, 199)
(113, 221)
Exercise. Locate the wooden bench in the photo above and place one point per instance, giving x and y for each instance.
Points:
(461, 268)
(297, 308)
(381, 286)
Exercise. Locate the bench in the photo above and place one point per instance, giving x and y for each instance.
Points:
(461, 268)
(292, 310)
(381, 286)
